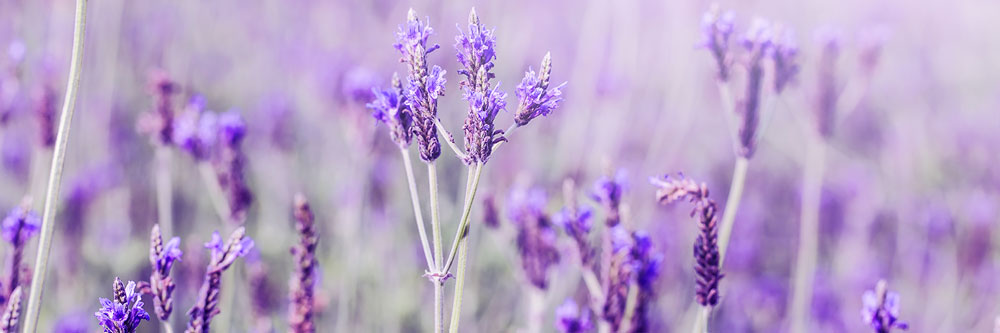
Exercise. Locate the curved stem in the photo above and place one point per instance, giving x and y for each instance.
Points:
(450, 139)
(461, 238)
(436, 234)
(732, 205)
(417, 213)
(701, 323)
(460, 234)
(805, 263)
(55, 173)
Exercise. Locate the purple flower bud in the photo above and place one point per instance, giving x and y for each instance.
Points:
(124, 312)
(389, 107)
(608, 192)
(161, 285)
(880, 309)
(571, 318)
(633, 265)
(575, 222)
(20, 225)
(716, 30)
(783, 54)
(534, 96)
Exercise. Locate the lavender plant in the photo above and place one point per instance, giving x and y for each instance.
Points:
(410, 111)
(11, 313)
(123, 312)
(18, 227)
(161, 285)
(223, 255)
(880, 309)
(302, 283)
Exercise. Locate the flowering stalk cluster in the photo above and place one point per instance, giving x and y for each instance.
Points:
(161, 285)
(706, 249)
(223, 256)
(302, 282)
(123, 312)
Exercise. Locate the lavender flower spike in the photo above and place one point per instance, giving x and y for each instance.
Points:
(783, 55)
(706, 249)
(223, 256)
(476, 54)
(633, 265)
(758, 42)
(389, 107)
(229, 164)
(881, 309)
(124, 312)
(11, 314)
(534, 96)
(423, 86)
(716, 29)
(18, 227)
(303, 281)
(161, 284)
(536, 239)
(571, 318)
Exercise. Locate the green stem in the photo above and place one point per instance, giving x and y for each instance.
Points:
(215, 193)
(701, 323)
(732, 205)
(438, 257)
(55, 173)
(460, 234)
(164, 190)
(417, 214)
(805, 263)
(461, 238)
(630, 303)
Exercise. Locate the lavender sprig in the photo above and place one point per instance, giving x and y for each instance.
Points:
(302, 283)
(162, 257)
(11, 313)
(608, 191)
(716, 29)
(706, 249)
(423, 86)
(758, 43)
(390, 107)
(880, 309)
(223, 255)
(536, 238)
(534, 96)
(18, 227)
(476, 52)
(633, 266)
(572, 318)
(124, 312)
(229, 163)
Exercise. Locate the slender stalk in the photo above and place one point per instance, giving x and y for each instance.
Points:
(438, 256)
(461, 238)
(164, 190)
(630, 303)
(55, 173)
(417, 213)
(732, 205)
(728, 110)
(805, 263)
(701, 323)
(167, 328)
(536, 310)
(506, 135)
(449, 139)
(215, 193)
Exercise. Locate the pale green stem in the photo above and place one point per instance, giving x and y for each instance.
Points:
(464, 223)
(701, 322)
(164, 190)
(215, 193)
(506, 135)
(438, 257)
(167, 328)
(55, 173)
(805, 263)
(448, 138)
(630, 303)
(417, 213)
(536, 310)
(728, 112)
(462, 237)
(732, 205)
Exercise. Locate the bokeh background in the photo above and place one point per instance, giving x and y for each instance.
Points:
(910, 193)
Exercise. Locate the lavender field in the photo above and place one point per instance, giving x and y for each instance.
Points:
(499, 166)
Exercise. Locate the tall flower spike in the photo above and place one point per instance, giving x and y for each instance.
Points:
(633, 265)
(783, 54)
(389, 107)
(423, 86)
(476, 52)
(303, 281)
(162, 256)
(11, 314)
(124, 312)
(716, 29)
(536, 239)
(223, 255)
(230, 162)
(534, 96)
(18, 227)
(45, 111)
(827, 94)
(880, 309)
(608, 192)
(706, 249)
(758, 42)
(159, 123)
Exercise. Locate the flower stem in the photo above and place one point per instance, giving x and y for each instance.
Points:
(55, 173)
(164, 190)
(630, 303)
(701, 323)
(805, 263)
(732, 205)
(417, 213)
(461, 238)
(215, 193)
(438, 257)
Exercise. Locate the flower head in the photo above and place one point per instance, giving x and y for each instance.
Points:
(536, 239)
(880, 309)
(223, 255)
(534, 96)
(195, 129)
(476, 52)
(575, 222)
(20, 224)
(572, 318)
(423, 86)
(161, 284)
(717, 28)
(784, 55)
(389, 107)
(633, 266)
(608, 191)
(124, 312)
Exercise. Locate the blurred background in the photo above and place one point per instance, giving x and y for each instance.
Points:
(909, 195)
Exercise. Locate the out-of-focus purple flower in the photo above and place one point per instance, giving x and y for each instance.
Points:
(633, 265)
(706, 248)
(716, 29)
(122, 313)
(10, 81)
(15, 151)
(783, 54)
(262, 293)
(45, 112)
(571, 318)
(871, 42)
(223, 256)
(232, 128)
(575, 222)
(608, 192)
(75, 322)
(880, 309)
(389, 107)
(162, 256)
(159, 123)
(356, 85)
(195, 129)
(826, 91)
(758, 42)
(423, 86)
(20, 225)
(302, 283)
(536, 239)
(491, 216)
(12, 312)
(229, 162)
(534, 96)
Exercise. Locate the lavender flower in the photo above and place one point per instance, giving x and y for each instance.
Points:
(12, 312)
(491, 217)
(302, 283)
(758, 42)
(534, 96)
(223, 255)
(159, 123)
(18, 227)
(45, 111)
(536, 239)
(575, 222)
(783, 54)
(608, 192)
(476, 54)
(195, 130)
(389, 107)
(881, 309)
(423, 86)
(716, 29)
(571, 318)
(122, 313)
(827, 94)
(229, 163)
(261, 293)
(633, 265)
(706, 250)
(162, 257)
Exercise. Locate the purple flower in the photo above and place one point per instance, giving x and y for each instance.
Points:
(229, 162)
(633, 265)
(159, 123)
(475, 49)
(880, 309)
(575, 222)
(608, 192)
(716, 29)
(45, 111)
(423, 86)
(161, 285)
(223, 255)
(826, 98)
(122, 313)
(476, 52)
(302, 284)
(536, 239)
(232, 128)
(783, 54)
(491, 217)
(534, 96)
(20, 225)
(389, 107)
(195, 129)
(356, 85)
(758, 42)
(571, 318)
